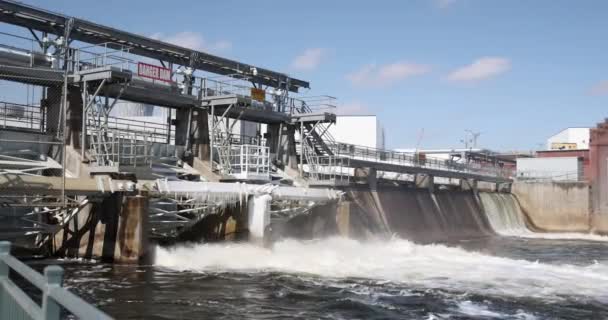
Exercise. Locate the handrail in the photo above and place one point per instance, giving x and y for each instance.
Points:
(16, 115)
(16, 304)
(410, 159)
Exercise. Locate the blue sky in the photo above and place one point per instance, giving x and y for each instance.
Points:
(518, 71)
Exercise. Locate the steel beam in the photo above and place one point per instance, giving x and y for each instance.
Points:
(54, 23)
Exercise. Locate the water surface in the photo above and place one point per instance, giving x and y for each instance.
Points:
(336, 278)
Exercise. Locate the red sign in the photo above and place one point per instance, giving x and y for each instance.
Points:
(153, 72)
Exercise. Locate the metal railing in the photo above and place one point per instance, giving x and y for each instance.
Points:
(15, 115)
(313, 104)
(126, 149)
(417, 160)
(329, 169)
(21, 116)
(247, 161)
(223, 85)
(16, 304)
(103, 55)
(154, 131)
(549, 176)
(238, 139)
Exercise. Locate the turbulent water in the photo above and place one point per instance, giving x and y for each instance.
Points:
(337, 278)
(484, 263)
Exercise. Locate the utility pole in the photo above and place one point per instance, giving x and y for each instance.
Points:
(474, 137)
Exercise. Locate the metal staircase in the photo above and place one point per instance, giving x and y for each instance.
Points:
(318, 151)
(316, 133)
(319, 139)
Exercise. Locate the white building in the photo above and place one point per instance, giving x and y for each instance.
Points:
(361, 130)
(569, 139)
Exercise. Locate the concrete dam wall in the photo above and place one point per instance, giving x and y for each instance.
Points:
(414, 214)
(556, 206)
(420, 215)
(443, 215)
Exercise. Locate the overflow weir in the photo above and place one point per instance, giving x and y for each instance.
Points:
(77, 179)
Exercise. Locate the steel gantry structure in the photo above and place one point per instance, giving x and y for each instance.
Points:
(57, 24)
(65, 151)
(85, 155)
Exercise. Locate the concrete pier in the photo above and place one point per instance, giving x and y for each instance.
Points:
(343, 218)
(114, 230)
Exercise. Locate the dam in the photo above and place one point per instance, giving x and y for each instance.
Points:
(171, 183)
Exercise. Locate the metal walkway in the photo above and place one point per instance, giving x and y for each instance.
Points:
(344, 158)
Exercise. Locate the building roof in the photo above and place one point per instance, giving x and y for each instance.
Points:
(568, 128)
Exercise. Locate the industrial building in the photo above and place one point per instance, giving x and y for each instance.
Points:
(569, 139)
(566, 158)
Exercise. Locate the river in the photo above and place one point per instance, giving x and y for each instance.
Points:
(337, 278)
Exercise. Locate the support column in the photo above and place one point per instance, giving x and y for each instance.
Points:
(132, 237)
(115, 230)
(274, 140)
(181, 126)
(289, 145)
(468, 184)
(258, 214)
(425, 181)
(343, 218)
(372, 178)
(52, 103)
(200, 134)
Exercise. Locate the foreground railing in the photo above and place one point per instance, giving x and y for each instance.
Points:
(16, 304)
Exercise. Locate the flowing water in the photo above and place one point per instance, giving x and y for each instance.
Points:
(490, 266)
(337, 278)
(507, 218)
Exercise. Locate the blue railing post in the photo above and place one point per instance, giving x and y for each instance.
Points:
(5, 250)
(54, 277)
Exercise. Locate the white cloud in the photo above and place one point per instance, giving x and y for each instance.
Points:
(481, 69)
(352, 108)
(387, 74)
(193, 40)
(600, 89)
(222, 45)
(309, 59)
(443, 4)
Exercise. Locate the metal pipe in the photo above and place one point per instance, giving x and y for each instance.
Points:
(83, 131)
(205, 189)
(212, 140)
(30, 142)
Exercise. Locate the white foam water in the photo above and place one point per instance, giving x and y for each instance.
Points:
(468, 308)
(400, 262)
(507, 219)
